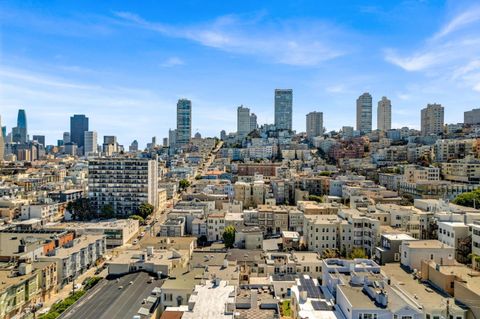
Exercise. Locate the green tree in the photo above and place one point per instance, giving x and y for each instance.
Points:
(140, 219)
(184, 184)
(315, 198)
(229, 236)
(145, 210)
(107, 211)
(469, 199)
(357, 253)
(80, 208)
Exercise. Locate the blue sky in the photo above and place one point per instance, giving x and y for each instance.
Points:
(125, 63)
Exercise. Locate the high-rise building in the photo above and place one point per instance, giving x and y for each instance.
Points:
(364, 113)
(19, 133)
(134, 146)
(90, 144)
(123, 183)
(432, 119)
(110, 145)
(243, 121)
(471, 117)
(78, 127)
(4, 132)
(223, 135)
(283, 109)
(253, 122)
(165, 142)
(184, 122)
(66, 137)
(314, 124)
(347, 132)
(40, 139)
(2, 142)
(172, 138)
(384, 114)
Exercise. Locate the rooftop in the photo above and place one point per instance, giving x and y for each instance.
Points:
(427, 244)
(210, 300)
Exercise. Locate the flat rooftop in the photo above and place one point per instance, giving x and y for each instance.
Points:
(425, 294)
(210, 300)
(400, 236)
(428, 244)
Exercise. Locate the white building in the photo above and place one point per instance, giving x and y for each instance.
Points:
(414, 252)
(90, 143)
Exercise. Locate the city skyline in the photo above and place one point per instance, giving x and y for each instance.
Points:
(204, 55)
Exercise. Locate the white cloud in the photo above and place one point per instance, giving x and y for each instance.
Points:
(171, 62)
(302, 44)
(460, 21)
(449, 54)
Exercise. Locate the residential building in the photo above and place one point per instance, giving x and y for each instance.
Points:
(76, 257)
(314, 124)
(122, 183)
(364, 113)
(389, 249)
(414, 252)
(471, 117)
(384, 115)
(172, 227)
(432, 119)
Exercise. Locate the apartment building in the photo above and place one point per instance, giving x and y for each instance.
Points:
(215, 226)
(320, 232)
(76, 257)
(272, 219)
(123, 183)
(414, 252)
(462, 170)
(173, 227)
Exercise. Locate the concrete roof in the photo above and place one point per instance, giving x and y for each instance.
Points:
(210, 301)
(183, 279)
(428, 244)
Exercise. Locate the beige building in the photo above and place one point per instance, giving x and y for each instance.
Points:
(432, 118)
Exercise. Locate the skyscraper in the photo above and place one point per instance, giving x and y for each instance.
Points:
(40, 139)
(384, 114)
(172, 138)
(253, 122)
(432, 119)
(19, 133)
(364, 113)
(184, 121)
(78, 127)
(134, 146)
(314, 124)
(66, 137)
(283, 109)
(91, 143)
(243, 121)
